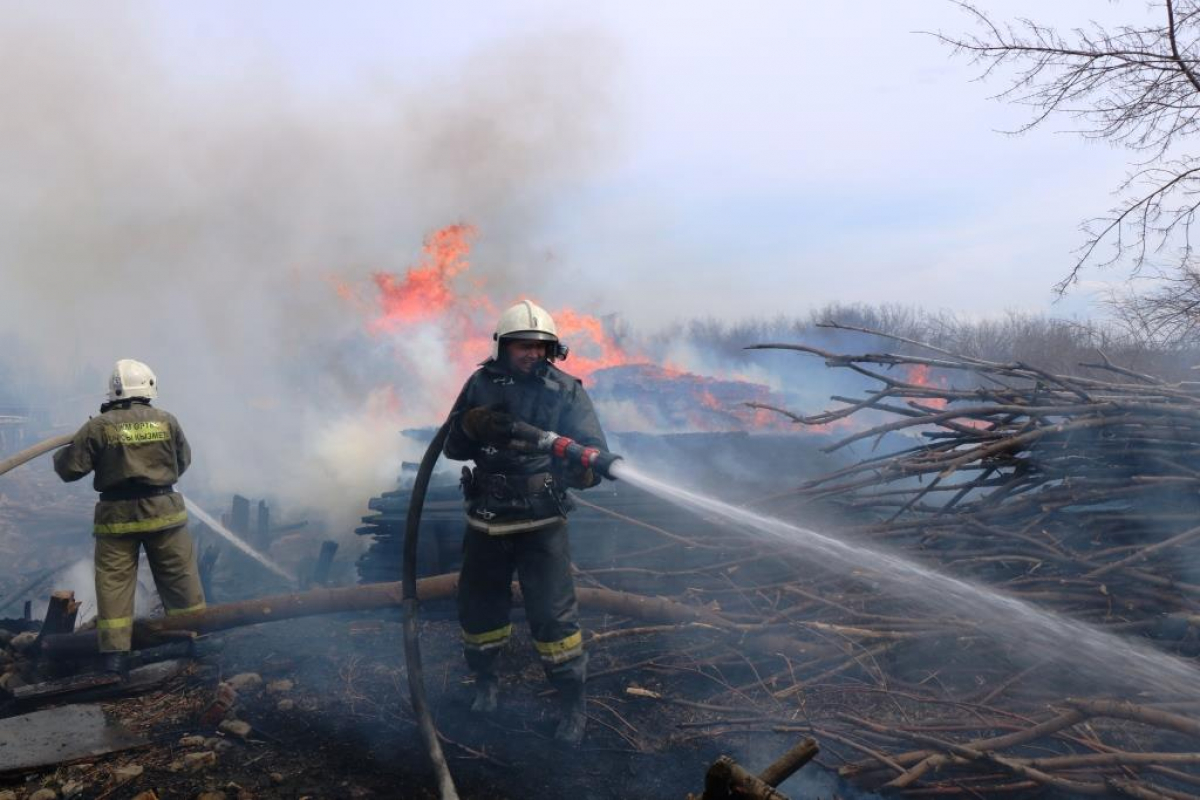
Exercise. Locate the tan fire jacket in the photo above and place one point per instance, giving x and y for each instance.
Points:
(135, 451)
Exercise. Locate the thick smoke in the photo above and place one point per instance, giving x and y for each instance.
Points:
(201, 223)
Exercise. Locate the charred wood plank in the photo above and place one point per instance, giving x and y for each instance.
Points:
(60, 614)
(320, 575)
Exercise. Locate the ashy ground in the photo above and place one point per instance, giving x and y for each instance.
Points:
(326, 714)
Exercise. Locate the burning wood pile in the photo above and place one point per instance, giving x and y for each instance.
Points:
(672, 399)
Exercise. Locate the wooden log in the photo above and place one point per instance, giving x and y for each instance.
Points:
(366, 598)
(786, 765)
(725, 780)
(60, 614)
(62, 687)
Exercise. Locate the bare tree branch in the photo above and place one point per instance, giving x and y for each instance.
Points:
(1134, 85)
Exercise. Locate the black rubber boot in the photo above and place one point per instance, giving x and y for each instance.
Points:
(573, 723)
(115, 664)
(487, 695)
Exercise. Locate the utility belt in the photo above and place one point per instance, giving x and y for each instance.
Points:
(136, 492)
(495, 497)
(476, 481)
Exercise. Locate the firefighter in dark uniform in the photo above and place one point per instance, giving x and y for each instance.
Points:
(517, 507)
(137, 453)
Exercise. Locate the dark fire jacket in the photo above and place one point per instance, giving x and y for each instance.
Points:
(549, 399)
(133, 449)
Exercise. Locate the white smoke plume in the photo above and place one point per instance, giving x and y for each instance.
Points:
(200, 222)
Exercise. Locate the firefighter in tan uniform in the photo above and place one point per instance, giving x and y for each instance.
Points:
(137, 453)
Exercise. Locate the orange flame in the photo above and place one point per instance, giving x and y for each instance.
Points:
(592, 347)
(684, 400)
(426, 292)
(918, 374)
(438, 302)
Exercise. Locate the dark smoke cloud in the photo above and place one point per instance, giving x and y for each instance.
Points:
(198, 223)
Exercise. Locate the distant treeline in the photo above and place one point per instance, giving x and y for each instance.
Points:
(1057, 345)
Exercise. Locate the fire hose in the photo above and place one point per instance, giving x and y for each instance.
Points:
(523, 437)
(412, 638)
(30, 453)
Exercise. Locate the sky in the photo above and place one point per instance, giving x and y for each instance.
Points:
(196, 184)
(819, 151)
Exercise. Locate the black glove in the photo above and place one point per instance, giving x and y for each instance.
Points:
(487, 426)
(581, 477)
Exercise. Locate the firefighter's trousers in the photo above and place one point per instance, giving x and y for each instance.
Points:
(172, 560)
(542, 561)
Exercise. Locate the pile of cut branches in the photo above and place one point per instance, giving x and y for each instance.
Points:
(1081, 490)
(1079, 493)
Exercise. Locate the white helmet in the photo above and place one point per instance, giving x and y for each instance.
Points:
(132, 379)
(527, 321)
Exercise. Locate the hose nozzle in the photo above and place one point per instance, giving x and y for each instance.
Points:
(564, 448)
